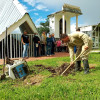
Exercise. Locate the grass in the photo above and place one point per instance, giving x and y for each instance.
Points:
(77, 87)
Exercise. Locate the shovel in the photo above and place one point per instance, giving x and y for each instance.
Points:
(72, 63)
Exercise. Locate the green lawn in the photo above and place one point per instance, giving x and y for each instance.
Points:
(71, 87)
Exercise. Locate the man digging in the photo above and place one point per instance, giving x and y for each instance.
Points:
(83, 43)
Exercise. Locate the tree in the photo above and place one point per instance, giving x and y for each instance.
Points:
(44, 27)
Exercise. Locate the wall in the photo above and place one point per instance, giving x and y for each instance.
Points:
(51, 25)
(54, 24)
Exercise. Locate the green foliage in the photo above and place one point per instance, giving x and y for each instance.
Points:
(71, 87)
(44, 27)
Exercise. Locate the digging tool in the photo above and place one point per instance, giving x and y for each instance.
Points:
(3, 76)
(72, 63)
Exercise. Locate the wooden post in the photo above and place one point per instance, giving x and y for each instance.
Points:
(7, 47)
(31, 45)
(14, 44)
(98, 36)
(11, 45)
(19, 43)
(2, 48)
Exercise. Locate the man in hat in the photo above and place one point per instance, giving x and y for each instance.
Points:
(83, 43)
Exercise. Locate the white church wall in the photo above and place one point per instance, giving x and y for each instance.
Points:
(57, 18)
(52, 25)
(67, 24)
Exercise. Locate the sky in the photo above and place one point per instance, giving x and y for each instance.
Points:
(40, 9)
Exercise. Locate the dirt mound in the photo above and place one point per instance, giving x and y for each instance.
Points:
(37, 79)
(58, 70)
(33, 80)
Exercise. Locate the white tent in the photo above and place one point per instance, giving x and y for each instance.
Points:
(12, 16)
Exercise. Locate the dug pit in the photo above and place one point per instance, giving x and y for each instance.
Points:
(58, 70)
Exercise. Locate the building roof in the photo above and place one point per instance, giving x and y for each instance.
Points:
(12, 15)
(69, 8)
(98, 24)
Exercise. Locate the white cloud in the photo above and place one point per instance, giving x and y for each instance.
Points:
(37, 22)
(46, 9)
(25, 7)
(73, 27)
(17, 30)
(38, 7)
(36, 14)
(30, 2)
(41, 7)
(90, 8)
(31, 10)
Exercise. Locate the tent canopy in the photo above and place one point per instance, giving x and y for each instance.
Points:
(13, 15)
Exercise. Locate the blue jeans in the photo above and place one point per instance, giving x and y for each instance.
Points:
(25, 49)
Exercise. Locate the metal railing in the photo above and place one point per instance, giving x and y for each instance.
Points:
(14, 47)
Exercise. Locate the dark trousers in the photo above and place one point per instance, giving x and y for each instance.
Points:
(59, 49)
(36, 50)
(42, 49)
(53, 48)
(48, 49)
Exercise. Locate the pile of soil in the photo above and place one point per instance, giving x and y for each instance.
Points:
(58, 70)
(36, 80)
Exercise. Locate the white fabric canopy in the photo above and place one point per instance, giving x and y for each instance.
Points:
(10, 12)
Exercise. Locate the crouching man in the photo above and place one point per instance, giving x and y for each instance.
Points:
(83, 43)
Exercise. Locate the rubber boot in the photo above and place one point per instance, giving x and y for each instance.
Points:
(86, 66)
(77, 66)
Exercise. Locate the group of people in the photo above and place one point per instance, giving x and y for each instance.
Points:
(77, 42)
(44, 46)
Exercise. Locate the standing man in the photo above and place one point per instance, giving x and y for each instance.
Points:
(53, 44)
(26, 42)
(43, 44)
(36, 41)
(83, 43)
(48, 45)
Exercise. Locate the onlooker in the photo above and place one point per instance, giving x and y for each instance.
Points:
(43, 44)
(53, 44)
(49, 45)
(25, 40)
(36, 41)
(58, 45)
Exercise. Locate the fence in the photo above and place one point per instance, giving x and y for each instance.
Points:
(14, 47)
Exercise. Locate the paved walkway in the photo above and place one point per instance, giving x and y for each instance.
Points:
(60, 54)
